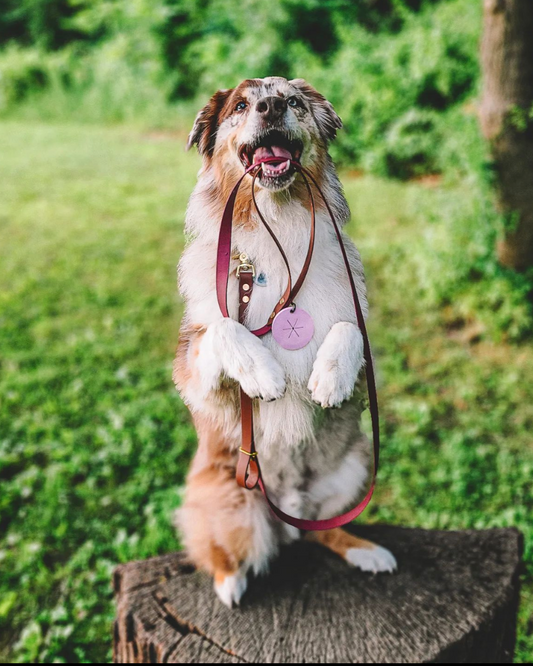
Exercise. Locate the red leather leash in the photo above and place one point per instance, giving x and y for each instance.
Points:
(248, 468)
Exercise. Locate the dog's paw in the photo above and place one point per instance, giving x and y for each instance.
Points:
(231, 589)
(264, 378)
(328, 386)
(337, 365)
(372, 560)
(239, 354)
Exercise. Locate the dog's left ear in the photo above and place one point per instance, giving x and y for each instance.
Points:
(325, 115)
(204, 131)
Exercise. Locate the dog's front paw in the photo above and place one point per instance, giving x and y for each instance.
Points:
(337, 366)
(328, 386)
(372, 560)
(264, 378)
(242, 356)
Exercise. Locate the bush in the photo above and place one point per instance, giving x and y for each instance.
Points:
(386, 64)
(411, 145)
(43, 23)
(400, 73)
(464, 271)
(24, 72)
(379, 85)
(105, 84)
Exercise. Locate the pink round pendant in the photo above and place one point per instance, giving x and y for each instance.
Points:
(293, 329)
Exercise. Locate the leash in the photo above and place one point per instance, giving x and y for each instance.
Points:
(248, 472)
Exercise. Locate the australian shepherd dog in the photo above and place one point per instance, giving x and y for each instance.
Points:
(314, 456)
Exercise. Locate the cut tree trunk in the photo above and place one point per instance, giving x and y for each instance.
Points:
(507, 59)
(453, 600)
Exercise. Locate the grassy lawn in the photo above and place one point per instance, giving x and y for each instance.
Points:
(94, 441)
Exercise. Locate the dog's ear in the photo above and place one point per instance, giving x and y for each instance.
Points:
(204, 131)
(325, 115)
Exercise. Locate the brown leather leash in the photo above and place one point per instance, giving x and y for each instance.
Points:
(248, 473)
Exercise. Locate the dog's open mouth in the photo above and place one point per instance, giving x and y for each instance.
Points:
(275, 175)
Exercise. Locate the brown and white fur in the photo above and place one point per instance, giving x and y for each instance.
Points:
(315, 459)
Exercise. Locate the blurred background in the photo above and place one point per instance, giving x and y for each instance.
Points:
(96, 99)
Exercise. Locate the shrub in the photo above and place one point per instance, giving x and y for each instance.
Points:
(24, 72)
(400, 73)
(455, 254)
(386, 64)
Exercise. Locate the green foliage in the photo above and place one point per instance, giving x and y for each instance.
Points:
(521, 119)
(387, 65)
(454, 254)
(387, 88)
(38, 22)
(25, 74)
(95, 442)
(113, 74)
(411, 145)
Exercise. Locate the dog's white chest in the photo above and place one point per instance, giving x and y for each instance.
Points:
(325, 294)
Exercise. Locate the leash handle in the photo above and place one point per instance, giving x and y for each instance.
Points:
(248, 468)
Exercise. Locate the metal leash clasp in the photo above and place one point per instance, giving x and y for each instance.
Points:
(245, 266)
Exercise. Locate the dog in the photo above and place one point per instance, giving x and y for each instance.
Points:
(315, 459)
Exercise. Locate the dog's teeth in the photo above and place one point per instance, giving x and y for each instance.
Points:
(273, 173)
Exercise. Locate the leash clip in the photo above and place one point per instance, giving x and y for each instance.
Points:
(245, 266)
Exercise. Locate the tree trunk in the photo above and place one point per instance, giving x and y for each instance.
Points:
(507, 59)
(453, 600)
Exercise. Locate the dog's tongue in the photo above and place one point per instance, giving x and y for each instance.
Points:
(274, 151)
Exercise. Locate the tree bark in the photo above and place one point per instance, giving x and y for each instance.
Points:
(453, 600)
(507, 60)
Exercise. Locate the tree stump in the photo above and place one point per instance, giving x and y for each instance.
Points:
(454, 600)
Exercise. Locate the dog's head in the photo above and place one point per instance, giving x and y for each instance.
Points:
(262, 118)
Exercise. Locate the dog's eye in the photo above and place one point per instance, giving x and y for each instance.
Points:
(293, 101)
(241, 106)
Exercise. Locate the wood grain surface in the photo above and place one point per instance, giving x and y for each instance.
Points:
(453, 600)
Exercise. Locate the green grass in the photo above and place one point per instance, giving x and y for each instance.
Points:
(94, 441)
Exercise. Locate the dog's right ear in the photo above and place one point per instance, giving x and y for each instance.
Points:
(204, 131)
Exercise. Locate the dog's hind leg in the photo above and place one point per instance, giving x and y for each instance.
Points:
(359, 553)
(227, 531)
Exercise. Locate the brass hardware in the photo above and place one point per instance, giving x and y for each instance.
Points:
(245, 265)
(246, 287)
(247, 453)
(246, 299)
(247, 268)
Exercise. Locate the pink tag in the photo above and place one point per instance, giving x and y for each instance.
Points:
(293, 330)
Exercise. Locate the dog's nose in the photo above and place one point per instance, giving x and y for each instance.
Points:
(271, 108)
